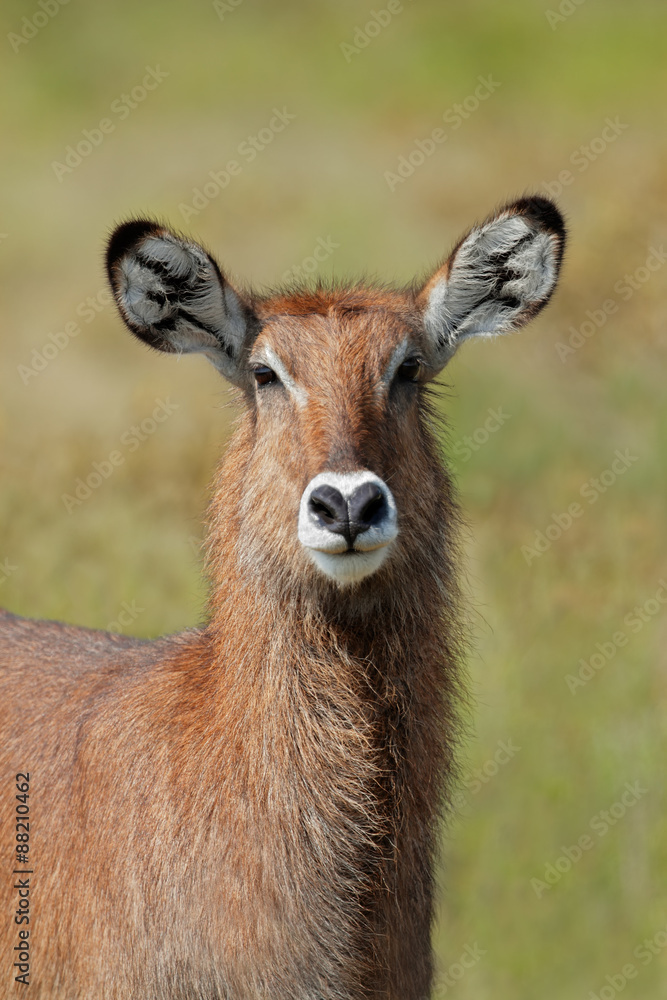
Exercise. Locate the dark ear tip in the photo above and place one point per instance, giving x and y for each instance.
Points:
(543, 212)
(125, 238)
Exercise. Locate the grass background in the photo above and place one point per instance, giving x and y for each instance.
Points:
(135, 542)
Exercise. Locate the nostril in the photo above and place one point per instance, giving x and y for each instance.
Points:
(327, 506)
(367, 506)
(373, 509)
(323, 512)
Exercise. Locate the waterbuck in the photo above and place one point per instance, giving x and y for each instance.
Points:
(249, 810)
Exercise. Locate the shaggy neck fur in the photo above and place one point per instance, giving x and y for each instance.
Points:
(343, 707)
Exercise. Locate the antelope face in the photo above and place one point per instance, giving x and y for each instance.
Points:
(337, 396)
(340, 462)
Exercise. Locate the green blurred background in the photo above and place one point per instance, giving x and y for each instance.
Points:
(128, 557)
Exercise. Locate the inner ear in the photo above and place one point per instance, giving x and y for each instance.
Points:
(497, 277)
(172, 294)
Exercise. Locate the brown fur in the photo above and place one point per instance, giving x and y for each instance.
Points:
(250, 809)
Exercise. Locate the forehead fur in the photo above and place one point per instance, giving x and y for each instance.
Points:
(351, 329)
(336, 300)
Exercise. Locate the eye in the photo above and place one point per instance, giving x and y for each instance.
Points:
(409, 370)
(264, 375)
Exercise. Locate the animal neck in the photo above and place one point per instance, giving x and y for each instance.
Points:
(343, 708)
(383, 654)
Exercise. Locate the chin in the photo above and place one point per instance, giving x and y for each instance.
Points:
(347, 568)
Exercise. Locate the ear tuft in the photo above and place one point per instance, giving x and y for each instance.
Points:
(126, 237)
(497, 278)
(172, 295)
(543, 213)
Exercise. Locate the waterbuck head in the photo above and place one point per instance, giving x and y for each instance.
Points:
(334, 474)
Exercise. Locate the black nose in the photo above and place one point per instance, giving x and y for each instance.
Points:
(364, 507)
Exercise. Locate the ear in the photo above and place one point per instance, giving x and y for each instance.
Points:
(172, 295)
(497, 278)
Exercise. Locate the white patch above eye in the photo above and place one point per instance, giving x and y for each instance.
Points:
(397, 358)
(296, 391)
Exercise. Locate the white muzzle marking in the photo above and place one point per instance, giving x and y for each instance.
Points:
(330, 551)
